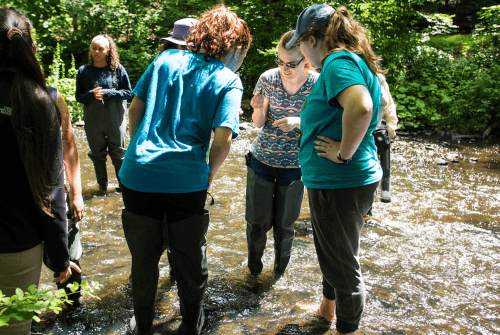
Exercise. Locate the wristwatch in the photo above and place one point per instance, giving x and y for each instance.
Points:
(344, 161)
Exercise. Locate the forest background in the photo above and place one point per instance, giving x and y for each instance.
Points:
(443, 56)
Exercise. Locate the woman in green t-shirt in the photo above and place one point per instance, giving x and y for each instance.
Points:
(337, 153)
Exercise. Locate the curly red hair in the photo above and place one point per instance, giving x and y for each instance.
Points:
(219, 30)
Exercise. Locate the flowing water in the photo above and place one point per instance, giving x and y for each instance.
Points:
(430, 258)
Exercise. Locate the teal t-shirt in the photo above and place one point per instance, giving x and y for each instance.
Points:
(186, 97)
(322, 115)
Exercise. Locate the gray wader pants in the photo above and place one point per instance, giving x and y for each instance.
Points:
(105, 128)
(269, 205)
(187, 243)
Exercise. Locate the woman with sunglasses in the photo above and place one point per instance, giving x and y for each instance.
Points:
(274, 186)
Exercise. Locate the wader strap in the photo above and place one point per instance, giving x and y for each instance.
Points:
(213, 201)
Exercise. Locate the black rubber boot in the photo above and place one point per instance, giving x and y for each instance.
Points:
(144, 237)
(101, 173)
(118, 165)
(187, 243)
(193, 318)
(287, 202)
(259, 216)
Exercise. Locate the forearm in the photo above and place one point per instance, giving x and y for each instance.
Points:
(260, 106)
(81, 94)
(259, 117)
(85, 98)
(122, 94)
(219, 150)
(355, 123)
(135, 114)
(358, 110)
(72, 168)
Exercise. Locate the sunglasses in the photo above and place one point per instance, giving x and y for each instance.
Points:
(291, 66)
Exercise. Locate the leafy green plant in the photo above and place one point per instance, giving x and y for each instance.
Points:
(490, 17)
(65, 83)
(453, 44)
(440, 24)
(26, 305)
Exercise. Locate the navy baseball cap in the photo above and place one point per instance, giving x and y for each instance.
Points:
(314, 16)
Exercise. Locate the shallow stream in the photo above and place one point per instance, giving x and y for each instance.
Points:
(430, 258)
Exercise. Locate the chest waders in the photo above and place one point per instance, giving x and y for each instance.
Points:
(269, 205)
(105, 129)
(187, 242)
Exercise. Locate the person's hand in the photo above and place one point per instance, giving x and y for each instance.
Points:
(257, 101)
(64, 276)
(328, 148)
(287, 123)
(76, 207)
(98, 93)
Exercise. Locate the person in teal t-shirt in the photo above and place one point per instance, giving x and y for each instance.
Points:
(182, 98)
(337, 153)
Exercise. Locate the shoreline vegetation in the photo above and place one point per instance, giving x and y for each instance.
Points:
(443, 57)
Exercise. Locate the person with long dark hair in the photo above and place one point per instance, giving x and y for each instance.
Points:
(33, 212)
(337, 153)
(103, 87)
(182, 98)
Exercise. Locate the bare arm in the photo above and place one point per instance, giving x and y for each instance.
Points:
(71, 162)
(135, 114)
(358, 108)
(219, 150)
(260, 106)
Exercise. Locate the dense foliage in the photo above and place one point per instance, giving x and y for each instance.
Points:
(440, 79)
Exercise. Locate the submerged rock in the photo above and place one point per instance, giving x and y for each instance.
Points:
(441, 161)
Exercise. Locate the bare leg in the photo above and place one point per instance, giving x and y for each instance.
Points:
(327, 309)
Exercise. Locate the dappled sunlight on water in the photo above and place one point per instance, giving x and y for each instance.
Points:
(430, 258)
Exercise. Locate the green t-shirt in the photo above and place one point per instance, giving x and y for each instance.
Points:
(322, 115)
